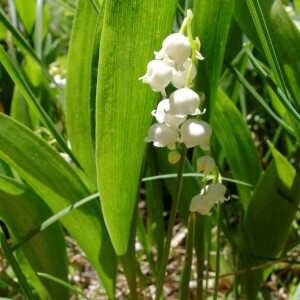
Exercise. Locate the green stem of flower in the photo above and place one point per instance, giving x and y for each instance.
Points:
(164, 261)
(216, 289)
(185, 24)
(186, 271)
(189, 73)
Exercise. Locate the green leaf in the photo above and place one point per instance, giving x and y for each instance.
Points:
(260, 99)
(23, 87)
(124, 105)
(297, 293)
(283, 35)
(211, 25)
(54, 180)
(283, 98)
(78, 87)
(269, 217)
(75, 289)
(26, 12)
(234, 136)
(20, 110)
(22, 43)
(14, 264)
(22, 210)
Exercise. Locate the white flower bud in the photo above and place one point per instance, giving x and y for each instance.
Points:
(174, 157)
(179, 77)
(194, 132)
(159, 75)
(162, 135)
(161, 115)
(184, 102)
(177, 47)
(205, 164)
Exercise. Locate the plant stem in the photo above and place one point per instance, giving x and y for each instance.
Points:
(164, 261)
(199, 240)
(186, 271)
(217, 252)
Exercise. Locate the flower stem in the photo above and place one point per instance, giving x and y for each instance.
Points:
(164, 261)
(216, 289)
(186, 271)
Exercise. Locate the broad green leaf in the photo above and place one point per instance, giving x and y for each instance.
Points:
(22, 211)
(78, 87)
(234, 136)
(132, 30)
(269, 217)
(211, 24)
(57, 183)
(284, 36)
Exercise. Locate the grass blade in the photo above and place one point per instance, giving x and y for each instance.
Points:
(283, 99)
(75, 289)
(15, 266)
(21, 84)
(22, 210)
(262, 102)
(21, 41)
(54, 218)
(266, 41)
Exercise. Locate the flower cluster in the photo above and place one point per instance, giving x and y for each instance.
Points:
(175, 64)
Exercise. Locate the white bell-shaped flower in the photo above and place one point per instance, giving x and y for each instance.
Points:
(162, 135)
(162, 117)
(176, 47)
(159, 75)
(216, 192)
(204, 202)
(205, 164)
(201, 204)
(184, 102)
(179, 77)
(194, 132)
